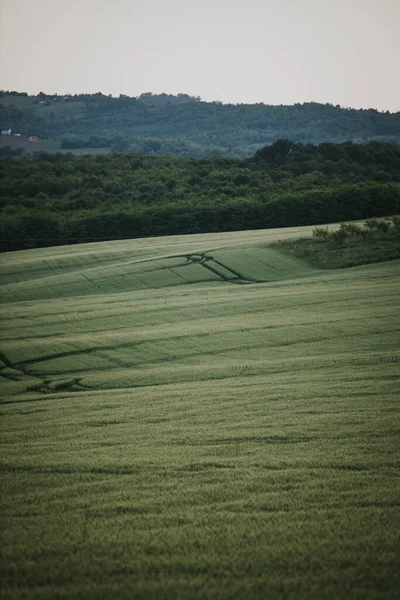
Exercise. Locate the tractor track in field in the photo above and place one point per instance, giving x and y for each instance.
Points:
(12, 372)
(128, 344)
(138, 343)
(212, 264)
(206, 261)
(44, 383)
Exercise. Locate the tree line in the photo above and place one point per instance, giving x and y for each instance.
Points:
(61, 199)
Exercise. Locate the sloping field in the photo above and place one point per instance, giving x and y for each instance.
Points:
(198, 417)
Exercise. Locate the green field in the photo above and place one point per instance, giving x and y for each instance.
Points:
(44, 145)
(198, 417)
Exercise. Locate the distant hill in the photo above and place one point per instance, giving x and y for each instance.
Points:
(167, 98)
(182, 125)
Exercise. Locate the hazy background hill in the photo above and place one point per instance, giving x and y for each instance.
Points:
(181, 125)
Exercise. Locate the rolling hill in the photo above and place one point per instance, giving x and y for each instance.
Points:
(198, 416)
(183, 126)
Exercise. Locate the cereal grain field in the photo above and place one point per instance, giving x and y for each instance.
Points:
(198, 417)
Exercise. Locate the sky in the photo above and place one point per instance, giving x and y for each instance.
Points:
(235, 51)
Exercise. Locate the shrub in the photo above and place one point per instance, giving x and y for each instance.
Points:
(352, 228)
(321, 233)
(371, 224)
(396, 222)
(339, 235)
(383, 226)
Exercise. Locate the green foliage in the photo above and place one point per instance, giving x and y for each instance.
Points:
(61, 199)
(371, 224)
(396, 222)
(339, 235)
(275, 154)
(8, 152)
(347, 245)
(352, 228)
(321, 233)
(378, 224)
(190, 127)
(383, 226)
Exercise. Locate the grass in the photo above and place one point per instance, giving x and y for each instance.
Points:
(44, 145)
(352, 251)
(214, 434)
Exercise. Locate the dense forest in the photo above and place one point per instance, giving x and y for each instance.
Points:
(184, 126)
(61, 199)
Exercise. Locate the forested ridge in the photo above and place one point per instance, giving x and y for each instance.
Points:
(185, 126)
(61, 199)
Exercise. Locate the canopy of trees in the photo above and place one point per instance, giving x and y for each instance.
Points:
(61, 199)
(185, 126)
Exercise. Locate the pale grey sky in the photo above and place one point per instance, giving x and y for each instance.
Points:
(274, 51)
